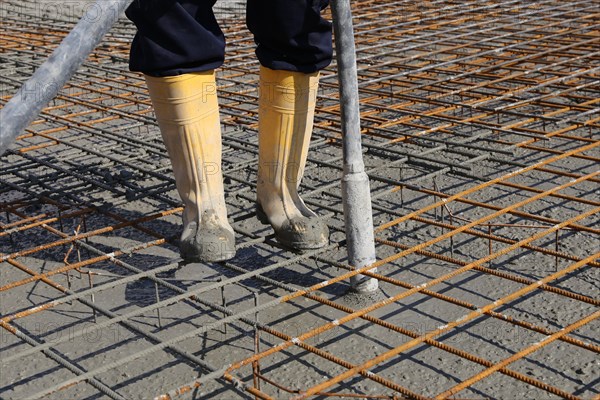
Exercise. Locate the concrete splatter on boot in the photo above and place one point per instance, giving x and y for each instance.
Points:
(287, 103)
(187, 112)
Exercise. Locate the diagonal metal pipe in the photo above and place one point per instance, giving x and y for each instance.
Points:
(47, 81)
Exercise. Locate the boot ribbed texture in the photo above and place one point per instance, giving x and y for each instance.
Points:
(287, 104)
(187, 112)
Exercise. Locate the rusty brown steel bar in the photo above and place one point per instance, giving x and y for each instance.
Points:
(456, 351)
(462, 320)
(536, 346)
(486, 184)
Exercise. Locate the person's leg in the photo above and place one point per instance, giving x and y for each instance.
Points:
(286, 111)
(177, 47)
(294, 43)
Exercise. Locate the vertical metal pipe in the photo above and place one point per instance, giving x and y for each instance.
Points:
(45, 83)
(356, 193)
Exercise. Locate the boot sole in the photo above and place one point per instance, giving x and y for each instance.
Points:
(298, 246)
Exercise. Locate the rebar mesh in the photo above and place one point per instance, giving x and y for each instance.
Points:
(481, 134)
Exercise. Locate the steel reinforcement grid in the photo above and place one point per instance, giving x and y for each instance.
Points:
(481, 133)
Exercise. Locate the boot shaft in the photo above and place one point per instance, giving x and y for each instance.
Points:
(187, 111)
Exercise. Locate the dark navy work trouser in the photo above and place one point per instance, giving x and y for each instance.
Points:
(182, 36)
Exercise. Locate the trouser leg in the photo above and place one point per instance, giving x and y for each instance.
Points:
(175, 37)
(290, 35)
(181, 36)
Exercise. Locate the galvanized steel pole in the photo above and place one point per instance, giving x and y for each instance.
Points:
(356, 193)
(46, 82)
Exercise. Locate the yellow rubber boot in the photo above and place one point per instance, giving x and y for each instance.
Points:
(287, 106)
(187, 112)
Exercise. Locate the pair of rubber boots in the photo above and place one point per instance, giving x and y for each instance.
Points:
(187, 112)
